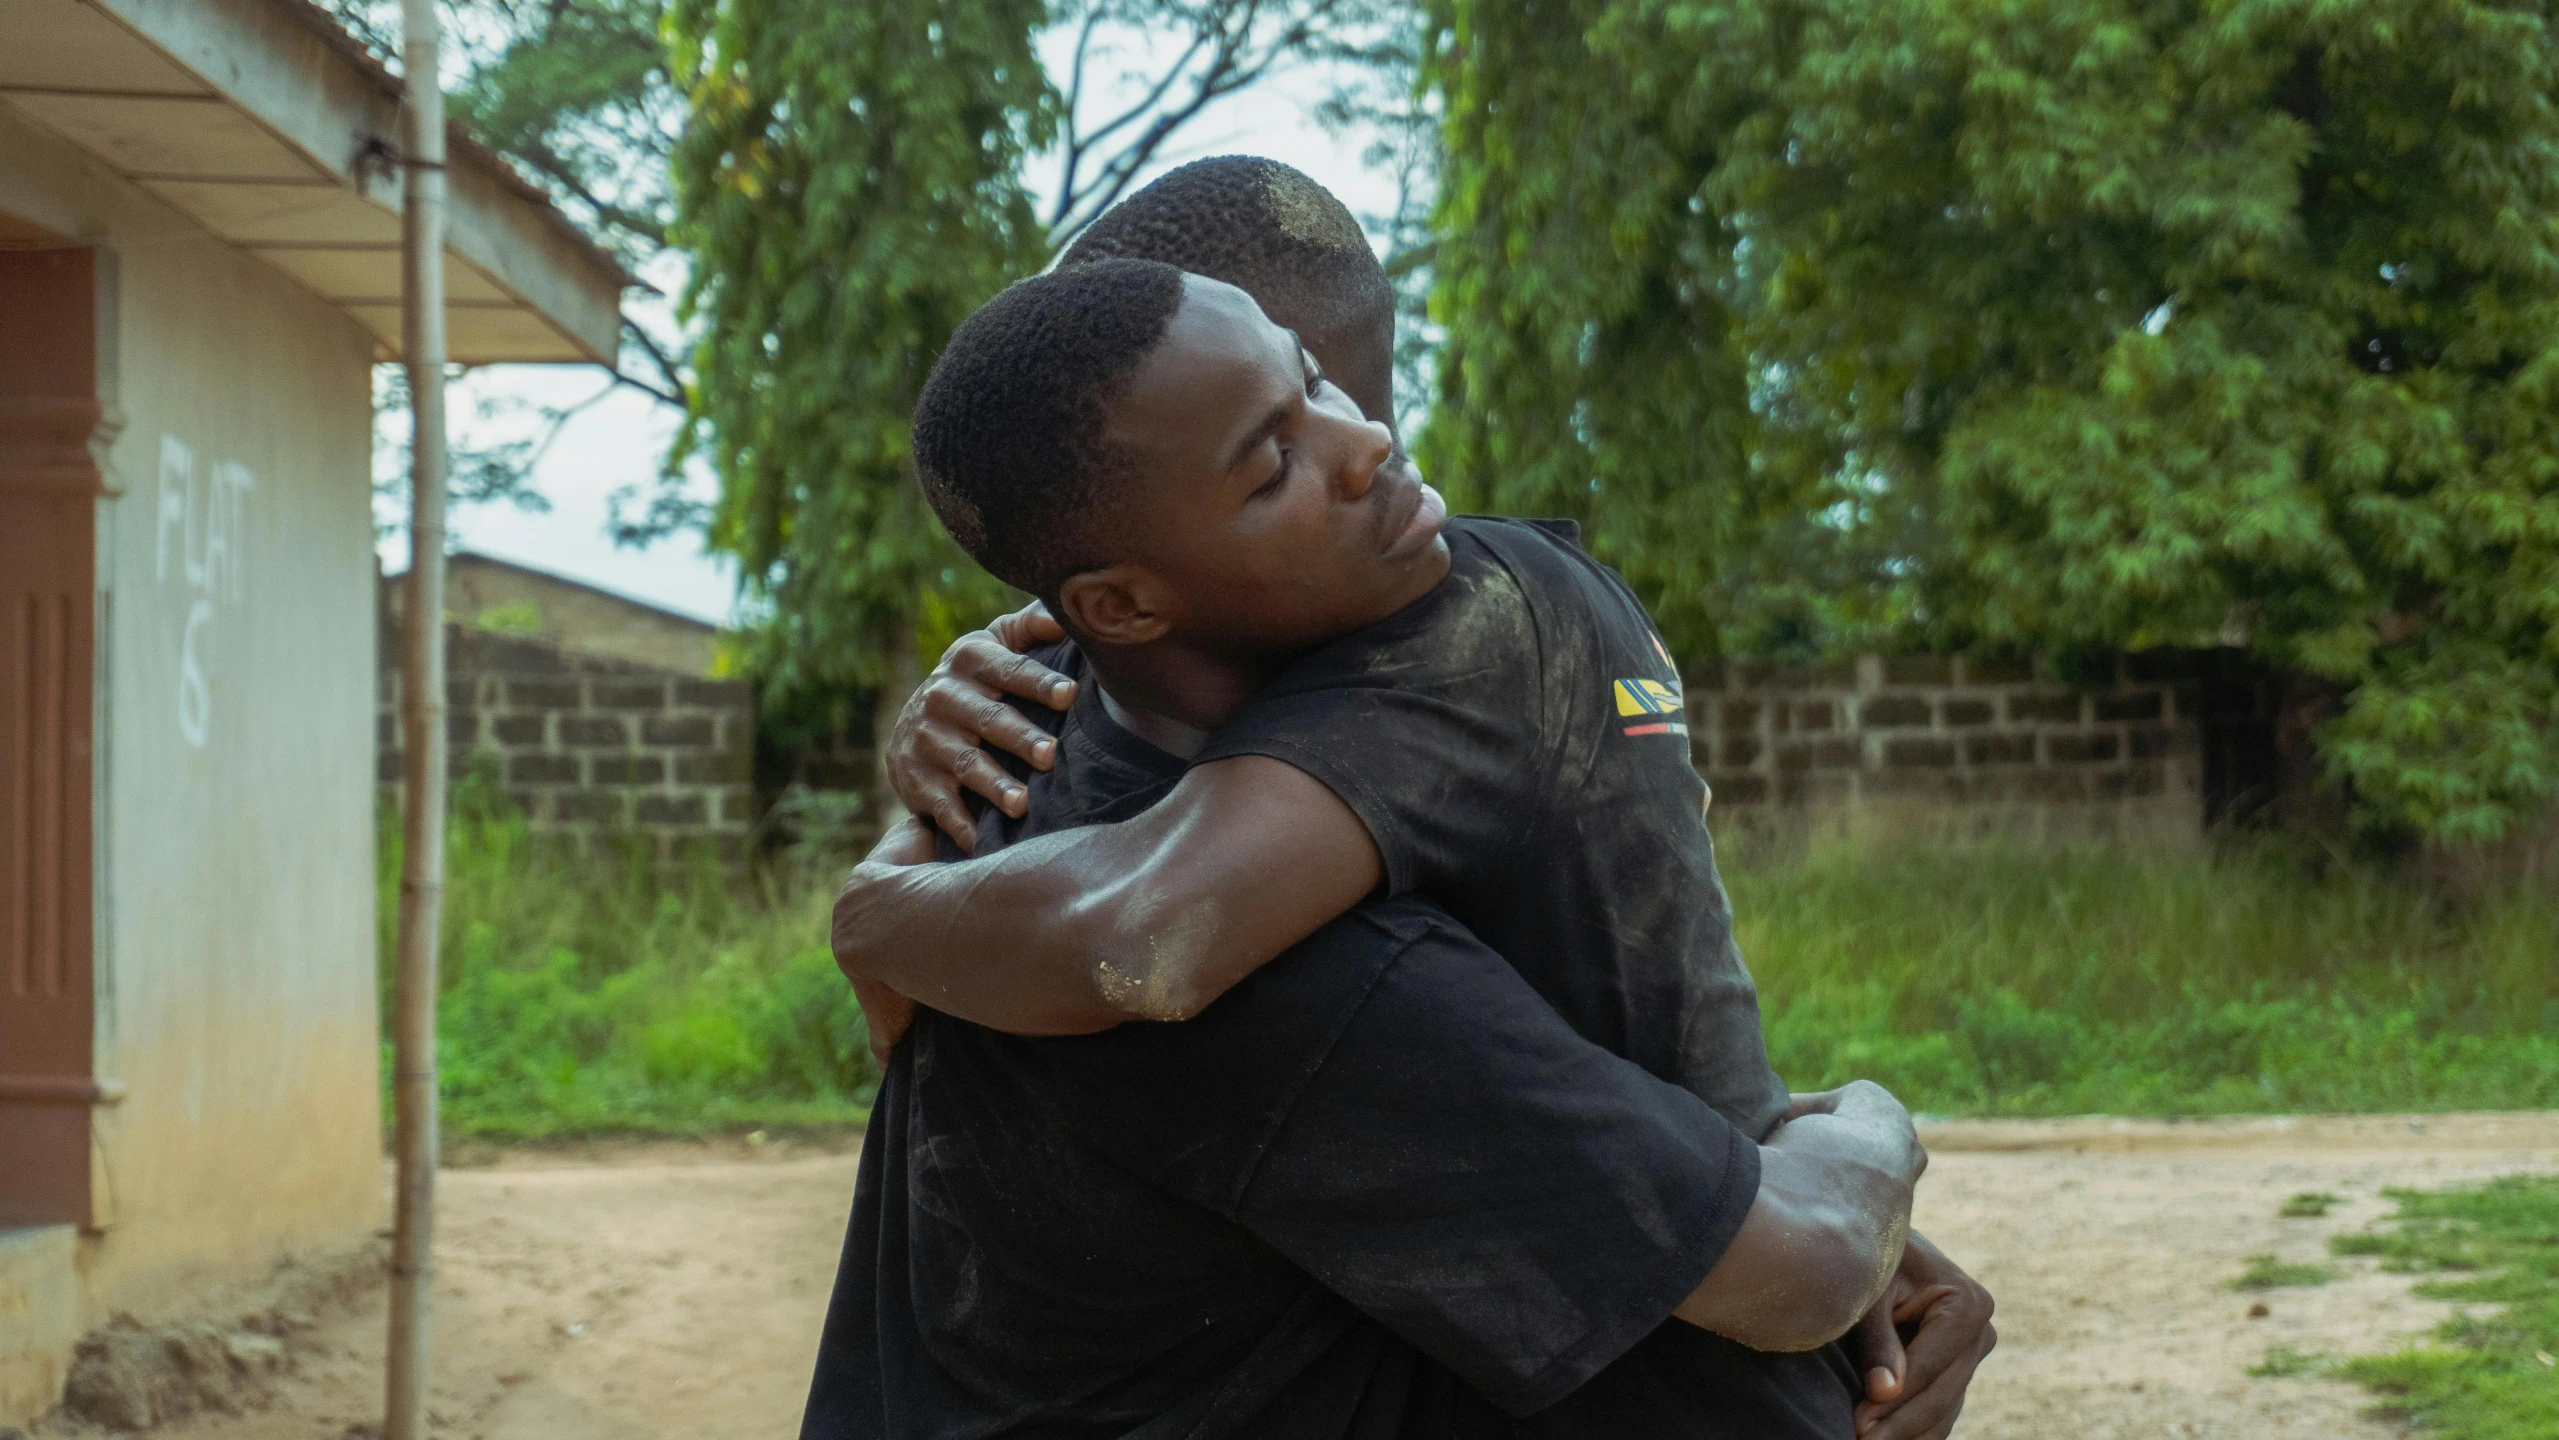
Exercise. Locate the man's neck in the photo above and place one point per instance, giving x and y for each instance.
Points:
(1171, 698)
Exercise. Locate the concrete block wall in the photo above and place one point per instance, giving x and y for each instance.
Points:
(590, 747)
(1992, 743)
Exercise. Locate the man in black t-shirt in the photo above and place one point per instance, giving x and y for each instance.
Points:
(1475, 1185)
(1378, 1190)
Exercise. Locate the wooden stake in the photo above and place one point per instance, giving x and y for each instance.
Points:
(422, 729)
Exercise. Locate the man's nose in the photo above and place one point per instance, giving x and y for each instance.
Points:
(1370, 443)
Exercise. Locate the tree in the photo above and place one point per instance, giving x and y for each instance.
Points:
(850, 190)
(2095, 323)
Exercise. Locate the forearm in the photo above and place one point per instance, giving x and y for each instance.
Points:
(1023, 940)
(1823, 1236)
(1150, 919)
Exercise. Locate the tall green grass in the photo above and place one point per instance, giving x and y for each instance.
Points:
(1993, 980)
(598, 993)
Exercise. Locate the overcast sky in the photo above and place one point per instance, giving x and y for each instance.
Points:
(623, 438)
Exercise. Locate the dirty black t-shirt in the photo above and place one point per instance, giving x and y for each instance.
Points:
(1377, 1190)
(1517, 745)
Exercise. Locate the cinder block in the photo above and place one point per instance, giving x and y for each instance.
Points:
(1915, 753)
(542, 769)
(2142, 705)
(2081, 749)
(2049, 709)
(595, 807)
(713, 769)
(593, 730)
(671, 809)
(629, 694)
(1964, 712)
(626, 770)
(678, 730)
(1894, 712)
(519, 729)
(543, 694)
(719, 694)
(2000, 750)
(1919, 670)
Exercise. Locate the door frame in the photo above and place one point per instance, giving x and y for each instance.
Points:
(52, 338)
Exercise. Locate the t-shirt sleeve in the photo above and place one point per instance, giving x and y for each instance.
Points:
(1518, 1203)
(1428, 724)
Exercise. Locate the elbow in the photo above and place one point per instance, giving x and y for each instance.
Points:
(1149, 960)
(849, 931)
(1823, 1302)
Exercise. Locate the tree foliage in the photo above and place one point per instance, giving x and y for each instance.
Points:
(850, 190)
(2093, 322)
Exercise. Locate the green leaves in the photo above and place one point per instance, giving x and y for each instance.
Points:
(849, 186)
(1847, 323)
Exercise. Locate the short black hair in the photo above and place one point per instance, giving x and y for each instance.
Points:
(1009, 442)
(1263, 227)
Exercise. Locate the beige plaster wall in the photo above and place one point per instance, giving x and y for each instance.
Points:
(236, 936)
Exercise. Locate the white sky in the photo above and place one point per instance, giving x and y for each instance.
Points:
(622, 440)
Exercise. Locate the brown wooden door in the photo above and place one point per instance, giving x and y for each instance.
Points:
(48, 604)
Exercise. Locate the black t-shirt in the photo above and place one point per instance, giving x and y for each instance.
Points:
(1516, 744)
(1378, 1190)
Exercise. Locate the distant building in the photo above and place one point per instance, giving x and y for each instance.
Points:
(505, 598)
(199, 268)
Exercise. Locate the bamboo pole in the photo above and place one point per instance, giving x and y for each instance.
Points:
(422, 729)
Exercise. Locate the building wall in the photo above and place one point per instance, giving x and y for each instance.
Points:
(571, 616)
(1973, 745)
(590, 747)
(235, 951)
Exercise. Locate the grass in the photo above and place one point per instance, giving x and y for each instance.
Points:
(2308, 1205)
(1985, 980)
(2265, 1272)
(2285, 1363)
(598, 994)
(2492, 1375)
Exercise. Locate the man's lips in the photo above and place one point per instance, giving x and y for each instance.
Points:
(1414, 517)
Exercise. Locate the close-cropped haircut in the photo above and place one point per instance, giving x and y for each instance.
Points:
(1010, 432)
(1263, 227)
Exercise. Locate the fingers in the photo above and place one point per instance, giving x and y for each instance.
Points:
(1027, 629)
(1811, 1102)
(1955, 1335)
(964, 718)
(1879, 1350)
(987, 778)
(886, 1014)
(983, 660)
(1930, 1413)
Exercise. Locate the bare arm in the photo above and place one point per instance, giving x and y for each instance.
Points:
(1149, 919)
(1825, 1234)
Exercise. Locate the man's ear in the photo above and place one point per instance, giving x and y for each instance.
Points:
(1115, 605)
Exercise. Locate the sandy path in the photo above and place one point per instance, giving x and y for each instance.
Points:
(676, 1291)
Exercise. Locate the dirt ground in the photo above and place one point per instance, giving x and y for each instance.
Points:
(649, 1293)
